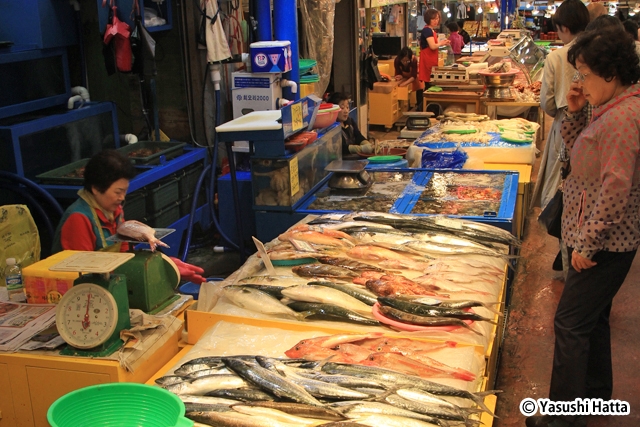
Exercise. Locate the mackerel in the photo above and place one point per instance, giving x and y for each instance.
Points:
(247, 394)
(270, 381)
(320, 311)
(415, 319)
(426, 409)
(431, 310)
(316, 388)
(348, 263)
(323, 294)
(203, 385)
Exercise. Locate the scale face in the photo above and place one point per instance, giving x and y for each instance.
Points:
(87, 316)
(91, 314)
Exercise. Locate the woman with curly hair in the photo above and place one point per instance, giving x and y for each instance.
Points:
(601, 217)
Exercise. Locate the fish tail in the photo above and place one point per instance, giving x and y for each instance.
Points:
(471, 329)
(479, 400)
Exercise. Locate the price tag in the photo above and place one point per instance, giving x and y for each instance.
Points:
(264, 256)
(294, 179)
(296, 117)
(302, 246)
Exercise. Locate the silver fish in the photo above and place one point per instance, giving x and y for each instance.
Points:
(234, 419)
(323, 294)
(300, 409)
(203, 385)
(275, 414)
(258, 301)
(323, 270)
(271, 381)
(141, 232)
(355, 409)
(316, 388)
(391, 421)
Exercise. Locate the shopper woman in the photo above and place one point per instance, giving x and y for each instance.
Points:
(570, 19)
(600, 222)
(429, 45)
(95, 216)
(406, 69)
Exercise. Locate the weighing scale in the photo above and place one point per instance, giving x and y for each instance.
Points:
(349, 175)
(417, 123)
(91, 314)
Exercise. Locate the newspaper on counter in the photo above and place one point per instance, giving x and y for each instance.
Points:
(20, 322)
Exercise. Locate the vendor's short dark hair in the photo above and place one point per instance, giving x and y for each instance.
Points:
(430, 14)
(573, 15)
(105, 168)
(632, 28)
(338, 97)
(453, 27)
(609, 53)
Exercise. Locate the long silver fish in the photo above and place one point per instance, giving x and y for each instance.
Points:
(323, 294)
(316, 388)
(270, 381)
(258, 301)
(355, 409)
(427, 409)
(324, 270)
(358, 292)
(234, 419)
(203, 385)
(391, 421)
(399, 379)
(276, 414)
(300, 410)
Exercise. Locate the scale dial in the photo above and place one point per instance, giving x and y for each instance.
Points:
(86, 316)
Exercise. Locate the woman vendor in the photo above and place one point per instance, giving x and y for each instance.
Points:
(353, 142)
(96, 215)
(406, 69)
(429, 45)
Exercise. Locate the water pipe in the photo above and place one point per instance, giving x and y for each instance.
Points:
(80, 94)
(285, 24)
(128, 138)
(289, 83)
(263, 16)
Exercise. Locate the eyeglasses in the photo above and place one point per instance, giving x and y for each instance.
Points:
(578, 77)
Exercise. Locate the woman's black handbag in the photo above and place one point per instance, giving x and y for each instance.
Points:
(551, 215)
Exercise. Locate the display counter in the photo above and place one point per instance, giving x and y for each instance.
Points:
(31, 382)
(471, 99)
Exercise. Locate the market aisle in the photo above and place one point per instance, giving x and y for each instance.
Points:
(527, 351)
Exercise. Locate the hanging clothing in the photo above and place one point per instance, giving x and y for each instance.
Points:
(85, 226)
(461, 11)
(428, 56)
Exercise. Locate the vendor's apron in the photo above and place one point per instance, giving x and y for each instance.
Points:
(110, 248)
(428, 60)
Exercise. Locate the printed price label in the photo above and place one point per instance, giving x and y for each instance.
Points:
(296, 116)
(294, 181)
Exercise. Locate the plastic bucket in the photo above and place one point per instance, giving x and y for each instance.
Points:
(118, 405)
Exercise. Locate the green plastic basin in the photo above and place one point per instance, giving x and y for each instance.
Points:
(118, 404)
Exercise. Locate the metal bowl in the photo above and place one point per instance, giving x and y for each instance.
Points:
(498, 79)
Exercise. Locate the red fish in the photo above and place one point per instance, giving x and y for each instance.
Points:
(402, 345)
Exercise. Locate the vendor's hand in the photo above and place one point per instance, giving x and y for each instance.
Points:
(444, 42)
(189, 272)
(399, 77)
(575, 98)
(579, 263)
(364, 148)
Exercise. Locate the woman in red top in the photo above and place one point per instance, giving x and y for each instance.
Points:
(429, 45)
(406, 67)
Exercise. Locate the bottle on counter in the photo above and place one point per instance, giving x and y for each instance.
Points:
(13, 281)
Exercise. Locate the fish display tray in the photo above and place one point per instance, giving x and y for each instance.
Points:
(58, 176)
(136, 152)
(484, 196)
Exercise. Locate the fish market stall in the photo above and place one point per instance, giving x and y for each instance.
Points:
(484, 141)
(371, 273)
(279, 365)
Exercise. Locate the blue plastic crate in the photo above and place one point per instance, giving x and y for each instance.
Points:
(193, 289)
